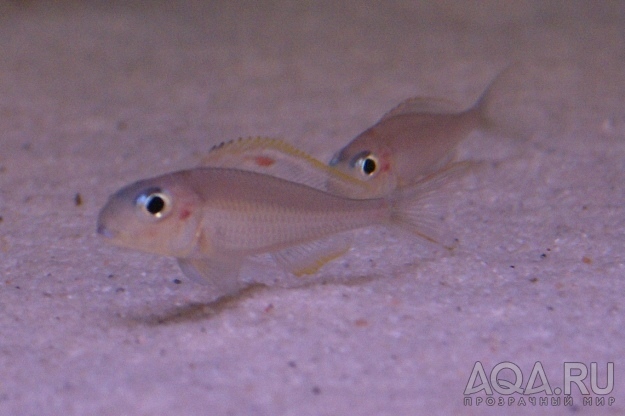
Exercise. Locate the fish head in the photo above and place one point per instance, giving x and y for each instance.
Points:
(160, 216)
(369, 160)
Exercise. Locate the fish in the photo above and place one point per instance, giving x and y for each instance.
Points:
(213, 219)
(414, 139)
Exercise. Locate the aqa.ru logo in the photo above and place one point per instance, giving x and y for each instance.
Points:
(575, 373)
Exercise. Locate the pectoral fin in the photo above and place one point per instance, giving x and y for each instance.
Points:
(223, 274)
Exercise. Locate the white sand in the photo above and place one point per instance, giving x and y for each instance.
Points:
(94, 97)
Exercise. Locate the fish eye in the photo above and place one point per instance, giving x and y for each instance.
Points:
(154, 202)
(368, 165)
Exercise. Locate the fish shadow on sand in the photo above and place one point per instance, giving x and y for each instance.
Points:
(203, 311)
(196, 311)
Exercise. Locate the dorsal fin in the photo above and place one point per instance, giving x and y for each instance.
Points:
(278, 158)
(248, 145)
(423, 105)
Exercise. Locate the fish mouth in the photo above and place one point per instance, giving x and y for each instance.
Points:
(335, 159)
(105, 232)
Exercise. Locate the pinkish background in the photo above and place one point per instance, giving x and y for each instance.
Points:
(94, 95)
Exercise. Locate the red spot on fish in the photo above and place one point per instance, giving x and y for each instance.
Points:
(184, 214)
(264, 161)
(385, 159)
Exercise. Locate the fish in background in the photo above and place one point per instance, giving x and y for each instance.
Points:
(414, 139)
(213, 219)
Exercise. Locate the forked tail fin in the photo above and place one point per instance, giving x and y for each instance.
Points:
(506, 107)
(486, 105)
(421, 208)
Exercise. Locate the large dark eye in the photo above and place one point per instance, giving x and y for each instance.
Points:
(368, 165)
(155, 203)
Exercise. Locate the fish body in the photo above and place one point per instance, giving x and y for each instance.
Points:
(229, 211)
(401, 149)
(212, 219)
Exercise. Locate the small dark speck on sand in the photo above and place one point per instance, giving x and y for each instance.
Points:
(122, 125)
(177, 281)
(77, 199)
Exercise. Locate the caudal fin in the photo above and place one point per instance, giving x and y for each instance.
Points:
(421, 208)
(505, 108)
(488, 104)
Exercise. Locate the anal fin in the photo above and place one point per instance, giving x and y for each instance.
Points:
(309, 257)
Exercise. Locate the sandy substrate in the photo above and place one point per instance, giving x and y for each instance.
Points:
(93, 97)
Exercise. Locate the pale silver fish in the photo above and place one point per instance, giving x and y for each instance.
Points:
(412, 140)
(212, 219)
